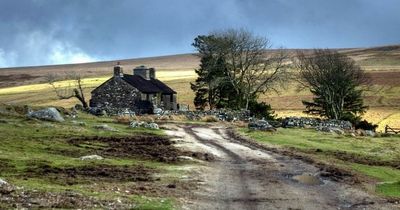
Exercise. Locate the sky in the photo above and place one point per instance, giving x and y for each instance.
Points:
(46, 32)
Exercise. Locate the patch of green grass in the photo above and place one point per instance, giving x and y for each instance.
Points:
(385, 174)
(146, 203)
(28, 143)
(385, 148)
(389, 189)
(389, 178)
(308, 141)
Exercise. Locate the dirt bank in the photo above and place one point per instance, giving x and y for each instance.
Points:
(146, 147)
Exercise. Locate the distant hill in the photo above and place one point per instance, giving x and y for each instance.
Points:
(385, 58)
(35, 74)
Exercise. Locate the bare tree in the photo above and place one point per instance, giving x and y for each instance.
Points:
(73, 90)
(250, 68)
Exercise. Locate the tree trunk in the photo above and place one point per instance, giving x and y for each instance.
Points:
(81, 98)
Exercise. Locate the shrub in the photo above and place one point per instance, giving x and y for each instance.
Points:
(358, 123)
(365, 125)
(261, 110)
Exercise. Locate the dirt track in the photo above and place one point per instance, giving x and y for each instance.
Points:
(245, 177)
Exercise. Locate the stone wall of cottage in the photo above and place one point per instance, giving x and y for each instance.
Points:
(116, 94)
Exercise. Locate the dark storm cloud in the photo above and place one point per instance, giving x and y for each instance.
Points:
(36, 32)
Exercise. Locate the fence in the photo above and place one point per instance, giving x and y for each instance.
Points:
(388, 129)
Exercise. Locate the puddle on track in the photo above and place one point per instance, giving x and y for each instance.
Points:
(308, 179)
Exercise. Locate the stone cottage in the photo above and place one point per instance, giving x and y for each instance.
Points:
(140, 92)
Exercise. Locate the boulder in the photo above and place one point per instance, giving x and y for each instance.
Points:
(91, 157)
(336, 130)
(2, 182)
(158, 111)
(50, 114)
(185, 158)
(262, 125)
(153, 126)
(370, 133)
(135, 124)
(5, 188)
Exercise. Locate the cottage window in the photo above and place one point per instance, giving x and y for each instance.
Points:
(144, 96)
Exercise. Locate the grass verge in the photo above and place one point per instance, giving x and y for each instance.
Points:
(374, 157)
(42, 161)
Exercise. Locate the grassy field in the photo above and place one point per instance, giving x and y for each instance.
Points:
(381, 153)
(42, 160)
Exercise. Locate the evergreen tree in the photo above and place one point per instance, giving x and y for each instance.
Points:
(211, 86)
(335, 81)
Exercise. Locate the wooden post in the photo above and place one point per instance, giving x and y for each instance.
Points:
(386, 128)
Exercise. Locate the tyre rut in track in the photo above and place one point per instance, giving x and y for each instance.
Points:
(236, 167)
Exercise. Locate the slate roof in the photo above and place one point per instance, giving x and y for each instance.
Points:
(147, 86)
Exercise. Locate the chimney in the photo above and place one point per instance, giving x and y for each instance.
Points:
(118, 72)
(152, 73)
(142, 71)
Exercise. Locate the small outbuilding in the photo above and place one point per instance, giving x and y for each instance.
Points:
(140, 92)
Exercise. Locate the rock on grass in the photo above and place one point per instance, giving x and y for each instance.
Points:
(91, 157)
(2, 182)
(49, 114)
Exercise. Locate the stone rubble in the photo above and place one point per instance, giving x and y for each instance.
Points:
(141, 124)
(261, 125)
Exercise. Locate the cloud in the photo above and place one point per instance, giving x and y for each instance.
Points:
(39, 32)
(39, 48)
(61, 53)
(7, 59)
